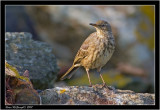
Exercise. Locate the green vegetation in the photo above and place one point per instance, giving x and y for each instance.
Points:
(16, 72)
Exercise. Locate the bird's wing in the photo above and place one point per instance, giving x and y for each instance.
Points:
(83, 51)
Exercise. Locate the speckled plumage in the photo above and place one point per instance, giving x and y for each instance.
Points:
(95, 51)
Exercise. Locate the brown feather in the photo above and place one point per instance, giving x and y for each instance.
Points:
(69, 73)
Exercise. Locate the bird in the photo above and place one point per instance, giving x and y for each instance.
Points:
(95, 51)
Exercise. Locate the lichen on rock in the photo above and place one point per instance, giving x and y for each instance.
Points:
(11, 71)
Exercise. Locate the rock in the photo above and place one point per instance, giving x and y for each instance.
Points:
(26, 54)
(19, 89)
(95, 95)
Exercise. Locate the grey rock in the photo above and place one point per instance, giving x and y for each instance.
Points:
(95, 95)
(26, 54)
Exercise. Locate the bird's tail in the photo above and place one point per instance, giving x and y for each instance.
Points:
(69, 73)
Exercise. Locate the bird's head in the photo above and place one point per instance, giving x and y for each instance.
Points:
(102, 25)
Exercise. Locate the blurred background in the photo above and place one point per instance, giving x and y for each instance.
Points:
(66, 27)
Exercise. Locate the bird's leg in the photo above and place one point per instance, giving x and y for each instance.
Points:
(104, 84)
(87, 70)
(98, 70)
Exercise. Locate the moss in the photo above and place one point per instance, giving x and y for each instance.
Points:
(12, 68)
(16, 72)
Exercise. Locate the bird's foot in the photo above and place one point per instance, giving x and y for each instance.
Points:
(104, 85)
(90, 85)
(108, 87)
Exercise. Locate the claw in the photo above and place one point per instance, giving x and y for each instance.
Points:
(104, 85)
(90, 85)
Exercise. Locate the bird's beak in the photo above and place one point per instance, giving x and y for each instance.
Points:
(95, 25)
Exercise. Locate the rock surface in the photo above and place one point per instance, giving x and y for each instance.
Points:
(95, 95)
(26, 54)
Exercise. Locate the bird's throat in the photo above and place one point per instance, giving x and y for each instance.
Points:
(101, 33)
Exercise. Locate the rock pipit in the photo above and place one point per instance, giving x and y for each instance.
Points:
(95, 51)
